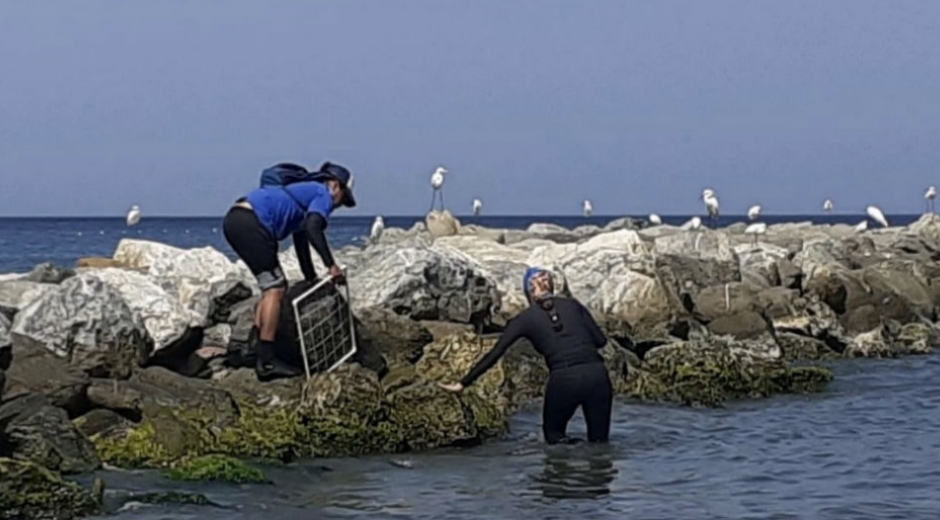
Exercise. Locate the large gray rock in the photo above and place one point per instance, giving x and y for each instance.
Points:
(504, 265)
(759, 264)
(43, 434)
(6, 341)
(424, 283)
(87, 322)
(613, 274)
(203, 280)
(16, 294)
(37, 371)
(690, 261)
(49, 273)
(165, 319)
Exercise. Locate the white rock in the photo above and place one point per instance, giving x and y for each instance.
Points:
(86, 322)
(16, 294)
(5, 340)
(162, 314)
(137, 254)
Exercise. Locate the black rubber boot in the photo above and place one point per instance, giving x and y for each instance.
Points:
(268, 367)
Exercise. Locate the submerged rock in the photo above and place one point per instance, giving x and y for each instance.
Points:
(27, 490)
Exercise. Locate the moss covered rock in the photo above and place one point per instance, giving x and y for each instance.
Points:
(217, 468)
(343, 413)
(28, 490)
(710, 371)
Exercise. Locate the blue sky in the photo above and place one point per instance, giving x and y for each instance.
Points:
(533, 105)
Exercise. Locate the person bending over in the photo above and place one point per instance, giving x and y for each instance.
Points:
(260, 220)
(566, 335)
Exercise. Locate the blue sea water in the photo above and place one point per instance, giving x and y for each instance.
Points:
(25, 242)
(867, 447)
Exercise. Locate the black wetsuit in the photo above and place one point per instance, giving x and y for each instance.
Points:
(577, 373)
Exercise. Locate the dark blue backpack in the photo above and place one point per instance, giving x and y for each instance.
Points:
(282, 174)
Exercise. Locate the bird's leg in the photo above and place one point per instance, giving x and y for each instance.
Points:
(442, 200)
(433, 196)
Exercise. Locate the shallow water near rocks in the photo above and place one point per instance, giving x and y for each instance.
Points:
(868, 447)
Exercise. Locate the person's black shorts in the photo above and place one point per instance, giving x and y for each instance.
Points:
(255, 246)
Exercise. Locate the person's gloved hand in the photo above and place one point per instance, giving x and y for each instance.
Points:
(337, 274)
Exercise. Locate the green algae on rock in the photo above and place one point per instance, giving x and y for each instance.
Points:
(28, 490)
(217, 468)
(710, 371)
(346, 412)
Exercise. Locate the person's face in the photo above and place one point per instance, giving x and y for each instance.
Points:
(540, 285)
(336, 191)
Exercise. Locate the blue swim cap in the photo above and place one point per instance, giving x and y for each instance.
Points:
(527, 278)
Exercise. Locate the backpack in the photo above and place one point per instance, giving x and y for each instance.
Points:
(282, 174)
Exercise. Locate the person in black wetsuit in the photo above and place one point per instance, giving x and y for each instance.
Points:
(566, 335)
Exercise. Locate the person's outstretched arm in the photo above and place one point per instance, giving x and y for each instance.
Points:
(315, 228)
(302, 248)
(597, 335)
(515, 329)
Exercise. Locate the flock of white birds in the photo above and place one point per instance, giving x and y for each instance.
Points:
(709, 198)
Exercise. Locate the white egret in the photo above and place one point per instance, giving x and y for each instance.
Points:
(477, 206)
(827, 206)
(377, 228)
(133, 216)
(753, 212)
(655, 219)
(588, 208)
(861, 226)
(437, 184)
(876, 214)
(930, 194)
(711, 205)
(757, 228)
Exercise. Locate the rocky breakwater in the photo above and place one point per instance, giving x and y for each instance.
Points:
(139, 360)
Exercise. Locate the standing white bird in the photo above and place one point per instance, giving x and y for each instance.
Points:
(437, 183)
(875, 213)
(753, 212)
(827, 206)
(655, 219)
(377, 228)
(477, 206)
(861, 226)
(588, 208)
(757, 228)
(711, 205)
(930, 194)
(133, 216)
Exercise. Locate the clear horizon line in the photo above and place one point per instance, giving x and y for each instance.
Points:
(516, 215)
